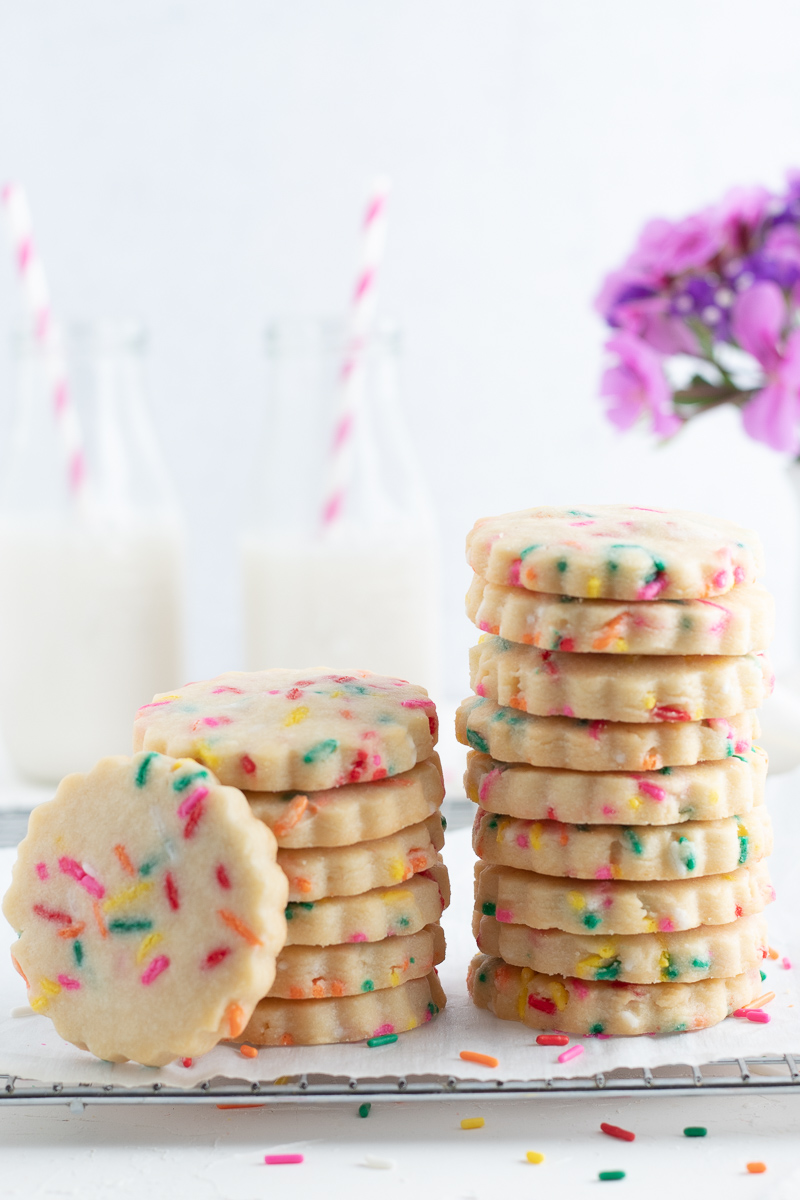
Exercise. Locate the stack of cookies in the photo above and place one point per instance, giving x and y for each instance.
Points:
(621, 828)
(342, 768)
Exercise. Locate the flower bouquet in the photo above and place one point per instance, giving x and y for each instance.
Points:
(705, 312)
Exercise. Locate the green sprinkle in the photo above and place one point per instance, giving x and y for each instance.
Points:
(144, 767)
(597, 1028)
(385, 1040)
(77, 950)
(695, 1131)
(591, 920)
(368, 986)
(523, 554)
(477, 742)
(363, 1110)
(403, 922)
(562, 565)
(567, 599)
(180, 785)
(611, 1175)
(482, 977)
(306, 904)
(443, 820)
(493, 823)
(763, 975)
(287, 912)
(670, 971)
(743, 849)
(665, 770)
(636, 845)
(412, 960)
(433, 1008)
(148, 866)
(488, 908)
(611, 971)
(321, 750)
(700, 964)
(130, 926)
(686, 622)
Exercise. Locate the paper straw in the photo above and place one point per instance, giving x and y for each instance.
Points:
(362, 313)
(37, 300)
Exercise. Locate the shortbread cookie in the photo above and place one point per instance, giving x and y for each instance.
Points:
(711, 952)
(577, 745)
(270, 731)
(315, 972)
(349, 870)
(741, 621)
(356, 812)
(371, 916)
(618, 907)
(704, 792)
(149, 907)
(349, 1019)
(622, 1009)
(640, 688)
(684, 851)
(615, 551)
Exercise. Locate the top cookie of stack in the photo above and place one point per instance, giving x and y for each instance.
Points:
(617, 691)
(343, 769)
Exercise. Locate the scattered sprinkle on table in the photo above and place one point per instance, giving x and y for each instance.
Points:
(785, 963)
(186, 1062)
(605, 1175)
(761, 1001)
(573, 1052)
(624, 1135)
(695, 1131)
(773, 953)
(533, 1156)
(756, 1168)
(363, 1110)
(759, 1017)
(282, 1160)
(377, 1164)
(486, 1060)
(384, 1040)
(472, 1123)
(248, 1051)
(552, 1039)
(763, 975)
(229, 1106)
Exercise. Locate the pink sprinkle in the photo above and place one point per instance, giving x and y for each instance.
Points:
(603, 873)
(68, 982)
(572, 1052)
(567, 711)
(192, 800)
(580, 989)
(742, 747)
(651, 789)
(480, 690)
(223, 878)
(417, 703)
(42, 871)
(358, 937)
(787, 966)
(68, 866)
(720, 579)
(740, 1012)
(281, 1160)
(218, 691)
(513, 572)
(522, 841)
(596, 728)
(154, 704)
(653, 589)
(608, 811)
(665, 925)
(382, 1030)
(756, 1015)
(738, 574)
(505, 915)
(159, 964)
(487, 782)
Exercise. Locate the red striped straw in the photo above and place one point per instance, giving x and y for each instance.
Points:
(362, 314)
(45, 330)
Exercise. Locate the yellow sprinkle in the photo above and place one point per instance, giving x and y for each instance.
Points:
(148, 943)
(412, 1024)
(281, 1080)
(127, 895)
(204, 754)
(397, 869)
(483, 637)
(533, 1156)
(394, 978)
(560, 995)
(663, 960)
(502, 826)
(650, 925)
(526, 974)
(472, 794)
(297, 715)
(335, 695)
(472, 1123)
(727, 877)
(576, 900)
(587, 966)
(535, 836)
(742, 830)
(635, 802)
(398, 897)
(177, 696)
(649, 701)
(713, 797)
(622, 646)
(50, 986)
(593, 587)
(40, 1004)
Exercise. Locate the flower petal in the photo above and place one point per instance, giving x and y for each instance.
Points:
(758, 318)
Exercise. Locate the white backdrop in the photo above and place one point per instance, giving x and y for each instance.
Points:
(202, 164)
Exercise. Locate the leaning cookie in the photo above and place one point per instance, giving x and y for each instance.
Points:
(645, 688)
(512, 736)
(349, 1019)
(741, 621)
(149, 907)
(315, 972)
(703, 792)
(622, 1009)
(710, 952)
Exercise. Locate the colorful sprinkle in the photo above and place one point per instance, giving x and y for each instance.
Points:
(223, 879)
(156, 968)
(52, 914)
(248, 1051)
(238, 926)
(124, 861)
(609, 1175)
(191, 802)
(485, 1060)
(533, 1156)
(364, 1110)
(170, 887)
(385, 1039)
(42, 871)
(321, 751)
(234, 1015)
(282, 1160)
(473, 1123)
(552, 1039)
(291, 817)
(216, 957)
(756, 1168)
(695, 1131)
(614, 1131)
(757, 1016)
(68, 866)
(568, 1055)
(68, 982)
(144, 767)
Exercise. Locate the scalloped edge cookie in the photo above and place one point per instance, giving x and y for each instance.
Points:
(316, 972)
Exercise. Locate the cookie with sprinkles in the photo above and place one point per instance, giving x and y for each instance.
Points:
(277, 730)
(606, 907)
(641, 688)
(710, 952)
(660, 852)
(586, 1007)
(355, 812)
(581, 745)
(703, 792)
(347, 870)
(316, 972)
(615, 551)
(371, 916)
(740, 622)
(379, 1014)
(149, 908)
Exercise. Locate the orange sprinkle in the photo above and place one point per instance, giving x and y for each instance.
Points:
(227, 1106)
(773, 953)
(301, 884)
(20, 971)
(761, 1001)
(72, 931)
(485, 1060)
(290, 818)
(124, 861)
(98, 916)
(248, 1051)
(286, 1040)
(234, 1015)
(756, 1168)
(238, 926)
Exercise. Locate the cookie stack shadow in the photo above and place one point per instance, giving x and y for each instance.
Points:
(621, 830)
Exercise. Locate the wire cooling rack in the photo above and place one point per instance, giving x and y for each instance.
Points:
(778, 1075)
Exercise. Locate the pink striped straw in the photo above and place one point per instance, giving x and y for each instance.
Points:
(45, 330)
(362, 313)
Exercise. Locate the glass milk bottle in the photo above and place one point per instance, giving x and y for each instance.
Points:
(90, 594)
(362, 592)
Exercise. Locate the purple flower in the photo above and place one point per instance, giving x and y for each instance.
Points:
(773, 414)
(739, 213)
(636, 385)
(654, 321)
(667, 248)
